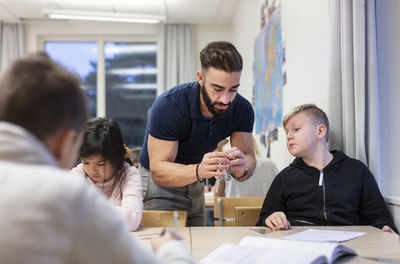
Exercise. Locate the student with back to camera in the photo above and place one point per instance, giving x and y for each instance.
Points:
(321, 187)
(48, 216)
(106, 164)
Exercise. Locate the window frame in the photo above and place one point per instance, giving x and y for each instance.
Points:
(101, 76)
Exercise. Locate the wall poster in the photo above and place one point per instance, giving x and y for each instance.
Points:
(268, 77)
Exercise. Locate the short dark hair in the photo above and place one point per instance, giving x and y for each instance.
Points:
(103, 137)
(41, 96)
(221, 55)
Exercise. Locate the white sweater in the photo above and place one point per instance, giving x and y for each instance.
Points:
(47, 216)
(258, 184)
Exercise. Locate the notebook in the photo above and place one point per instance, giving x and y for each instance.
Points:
(257, 250)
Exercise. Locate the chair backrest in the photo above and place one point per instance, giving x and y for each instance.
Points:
(156, 218)
(224, 208)
(247, 216)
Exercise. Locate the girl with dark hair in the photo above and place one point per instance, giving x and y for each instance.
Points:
(106, 164)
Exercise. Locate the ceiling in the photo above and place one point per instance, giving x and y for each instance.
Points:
(176, 11)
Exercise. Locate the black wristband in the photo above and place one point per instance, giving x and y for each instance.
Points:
(197, 172)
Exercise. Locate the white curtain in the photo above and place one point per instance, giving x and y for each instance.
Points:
(353, 78)
(178, 56)
(12, 43)
(373, 144)
(1, 27)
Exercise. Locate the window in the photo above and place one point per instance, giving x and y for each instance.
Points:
(119, 79)
(80, 58)
(131, 86)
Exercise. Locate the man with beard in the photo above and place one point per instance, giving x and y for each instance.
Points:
(186, 123)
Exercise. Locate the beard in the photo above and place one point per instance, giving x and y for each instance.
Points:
(211, 105)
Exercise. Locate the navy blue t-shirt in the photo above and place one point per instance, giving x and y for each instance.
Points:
(175, 116)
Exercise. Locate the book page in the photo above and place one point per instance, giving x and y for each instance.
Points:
(239, 254)
(316, 235)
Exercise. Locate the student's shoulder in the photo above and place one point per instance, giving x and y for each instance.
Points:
(61, 177)
(287, 173)
(347, 162)
(45, 172)
(53, 182)
(355, 162)
(78, 170)
(78, 194)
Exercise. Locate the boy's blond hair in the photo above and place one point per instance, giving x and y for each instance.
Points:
(316, 114)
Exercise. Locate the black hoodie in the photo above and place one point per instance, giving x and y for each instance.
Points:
(344, 193)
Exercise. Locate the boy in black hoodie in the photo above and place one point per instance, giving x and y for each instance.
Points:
(321, 187)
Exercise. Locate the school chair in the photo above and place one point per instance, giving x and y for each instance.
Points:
(247, 216)
(158, 218)
(224, 208)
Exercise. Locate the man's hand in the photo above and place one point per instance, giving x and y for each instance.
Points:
(237, 160)
(277, 220)
(237, 163)
(213, 165)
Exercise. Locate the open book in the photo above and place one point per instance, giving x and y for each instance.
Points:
(272, 250)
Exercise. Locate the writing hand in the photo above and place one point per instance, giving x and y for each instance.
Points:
(156, 243)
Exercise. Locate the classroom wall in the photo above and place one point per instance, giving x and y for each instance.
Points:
(205, 33)
(305, 30)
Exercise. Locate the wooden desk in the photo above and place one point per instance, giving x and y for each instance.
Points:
(381, 247)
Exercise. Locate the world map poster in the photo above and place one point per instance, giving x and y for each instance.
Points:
(268, 75)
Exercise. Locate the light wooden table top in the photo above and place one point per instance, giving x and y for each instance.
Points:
(373, 247)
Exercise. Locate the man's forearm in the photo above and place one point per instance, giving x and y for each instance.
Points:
(172, 174)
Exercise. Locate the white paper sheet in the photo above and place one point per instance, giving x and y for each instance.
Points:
(317, 235)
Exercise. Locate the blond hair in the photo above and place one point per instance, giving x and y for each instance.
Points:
(314, 112)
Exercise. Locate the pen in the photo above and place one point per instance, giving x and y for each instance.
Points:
(173, 229)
